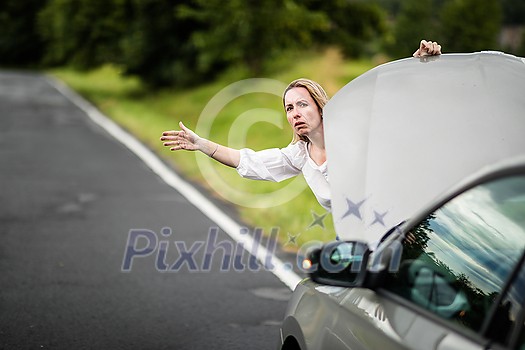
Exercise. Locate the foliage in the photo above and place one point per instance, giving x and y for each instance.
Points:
(187, 42)
(471, 25)
(353, 24)
(416, 21)
(84, 33)
(156, 45)
(513, 12)
(241, 32)
(392, 7)
(458, 25)
(20, 43)
(184, 42)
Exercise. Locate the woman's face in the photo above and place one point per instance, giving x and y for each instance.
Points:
(302, 112)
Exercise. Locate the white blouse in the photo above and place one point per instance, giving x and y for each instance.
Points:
(280, 164)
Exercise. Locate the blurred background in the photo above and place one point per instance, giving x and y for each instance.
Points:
(184, 43)
(150, 63)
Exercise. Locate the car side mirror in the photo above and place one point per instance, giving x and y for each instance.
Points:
(338, 264)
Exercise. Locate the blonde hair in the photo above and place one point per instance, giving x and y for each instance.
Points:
(318, 95)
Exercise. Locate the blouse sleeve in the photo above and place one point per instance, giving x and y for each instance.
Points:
(272, 164)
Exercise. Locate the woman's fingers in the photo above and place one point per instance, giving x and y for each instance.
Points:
(173, 139)
(172, 143)
(421, 50)
(436, 49)
(171, 133)
(175, 145)
(170, 138)
(427, 48)
(433, 48)
(180, 139)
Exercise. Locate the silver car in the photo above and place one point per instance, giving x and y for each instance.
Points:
(427, 172)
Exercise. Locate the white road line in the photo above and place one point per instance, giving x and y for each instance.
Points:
(232, 228)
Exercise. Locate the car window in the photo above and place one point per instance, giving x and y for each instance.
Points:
(456, 262)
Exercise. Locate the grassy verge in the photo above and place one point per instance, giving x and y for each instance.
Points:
(146, 114)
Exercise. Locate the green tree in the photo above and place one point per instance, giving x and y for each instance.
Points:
(240, 32)
(513, 12)
(392, 7)
(471, 25)
(157, 46)
(416, 20)
(20, 44)
(353, 25)
(84, 33)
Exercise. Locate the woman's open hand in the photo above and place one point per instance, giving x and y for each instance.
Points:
(181, 139)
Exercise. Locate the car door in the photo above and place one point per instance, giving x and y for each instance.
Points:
(506, 327)
(459, 282)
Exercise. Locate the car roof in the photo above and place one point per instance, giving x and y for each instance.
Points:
(402, 134)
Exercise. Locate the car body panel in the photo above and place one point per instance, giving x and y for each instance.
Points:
(397, 135)
(358, 318)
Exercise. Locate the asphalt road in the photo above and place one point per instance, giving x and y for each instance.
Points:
(74, 203)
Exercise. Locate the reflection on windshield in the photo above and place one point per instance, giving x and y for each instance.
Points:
(472, 243)
(481, 234)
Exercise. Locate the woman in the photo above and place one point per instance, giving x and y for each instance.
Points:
(303, 102)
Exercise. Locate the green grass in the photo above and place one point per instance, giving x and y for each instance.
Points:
(147, 113)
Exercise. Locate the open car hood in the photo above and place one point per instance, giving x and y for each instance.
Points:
(400, 135)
